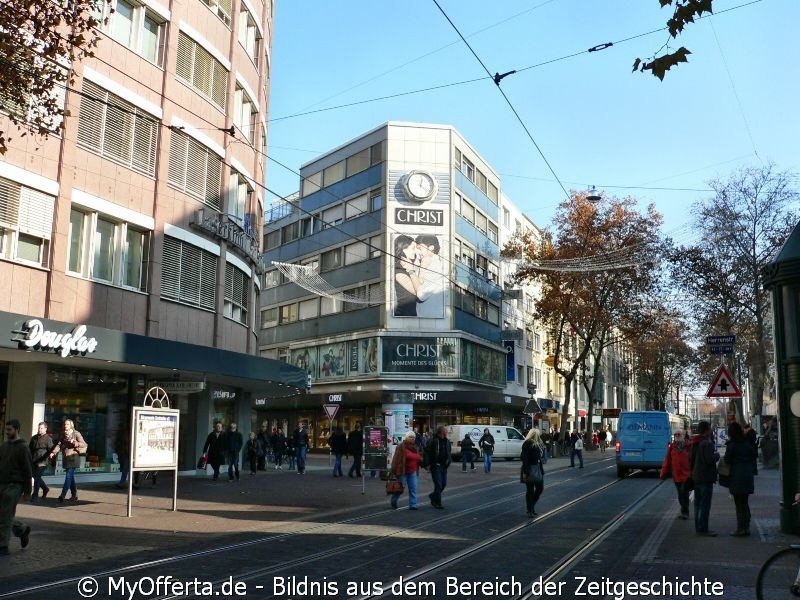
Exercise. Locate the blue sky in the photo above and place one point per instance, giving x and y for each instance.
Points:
(733, 105)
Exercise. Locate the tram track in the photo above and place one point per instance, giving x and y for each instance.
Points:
(315, 528)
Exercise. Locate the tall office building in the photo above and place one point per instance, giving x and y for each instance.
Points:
(130, 242)
(397, 316)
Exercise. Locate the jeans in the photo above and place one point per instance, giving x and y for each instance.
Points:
(439, 476)
(278, 458)
(292, 459)
(683, 497)
(38, 482)
(337, 466)
(10, 494)
(573, 454)
(301, 458)
(124, 471)
(233, 465)
(356, 466)
(467, 456)
(410, 480)
(69, 483)
(702, 505)
(487, 462)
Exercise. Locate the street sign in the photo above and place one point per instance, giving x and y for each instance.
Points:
(723, 385)
(720, 340)
(611, 413)
(331, 410)
(720, 349)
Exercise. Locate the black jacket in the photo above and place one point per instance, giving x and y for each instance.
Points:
(530, 456)
(15, 464)
(215, 447)
(487, 443)
(438, 452)
(338, 442)
(741, 456)
(355, 442)
(703, 459)
(40, 446)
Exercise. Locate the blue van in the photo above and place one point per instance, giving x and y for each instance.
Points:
(643, 437)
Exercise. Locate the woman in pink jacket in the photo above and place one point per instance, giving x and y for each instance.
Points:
(677, 463)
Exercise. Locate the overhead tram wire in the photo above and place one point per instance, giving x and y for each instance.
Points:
(497, 78)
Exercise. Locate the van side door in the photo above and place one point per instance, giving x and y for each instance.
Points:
(514, 441)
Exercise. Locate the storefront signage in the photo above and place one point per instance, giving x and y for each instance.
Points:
(420, 355)
(334, 397)
(423, 396)
(223, 395)
(419, 216)
(261, 402)
(181, 387)
(36, 337)
(243, 239)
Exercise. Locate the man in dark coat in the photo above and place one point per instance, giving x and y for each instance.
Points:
(300, 442)
(703, 460)
(40, 446)
(338, 444)
(355, 448)
(15, 482)
(438, 456)
(233, 450)
(215, 448)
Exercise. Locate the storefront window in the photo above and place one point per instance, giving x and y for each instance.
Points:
(97, 401)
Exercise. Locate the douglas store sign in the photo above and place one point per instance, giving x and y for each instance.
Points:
(438, 355)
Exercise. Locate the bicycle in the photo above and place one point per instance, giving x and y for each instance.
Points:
(779, 576)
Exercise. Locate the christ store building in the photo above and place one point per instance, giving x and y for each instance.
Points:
(51, 371)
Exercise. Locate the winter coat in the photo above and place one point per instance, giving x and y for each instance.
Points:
(279, 444)
(486, 443)
(40, 447)
(71, 445)
(355, 442)
(530, 456)
(741, 456)
(677, 462)
(253, 449)
(467, 444)
(215, 448)
(703, 458)
(15, 465)
(406, 459)
(438, 452)
(233, 442)
(338, 442)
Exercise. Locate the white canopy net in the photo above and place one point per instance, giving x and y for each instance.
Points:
(307, 278)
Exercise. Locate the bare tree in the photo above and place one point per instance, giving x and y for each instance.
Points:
(39, 42)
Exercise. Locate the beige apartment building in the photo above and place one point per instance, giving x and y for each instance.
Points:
(130, 241)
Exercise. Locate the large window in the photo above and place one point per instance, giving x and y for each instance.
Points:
(188, 274)
(222, 8)
(26, 222)
(106, 249)
(195, 169)
(135, 27)
(249, 36)
(18, 100)
(240, 197)
(237, 288)
(245, 114)
(117, 129)
(200, 70)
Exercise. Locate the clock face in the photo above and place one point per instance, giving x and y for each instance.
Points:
(420, 185)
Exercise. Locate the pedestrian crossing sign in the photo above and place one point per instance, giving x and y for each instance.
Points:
(724, 385)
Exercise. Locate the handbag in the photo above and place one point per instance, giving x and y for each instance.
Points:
(394, 486)
(724, 473)
(534, 474)
(202, 462)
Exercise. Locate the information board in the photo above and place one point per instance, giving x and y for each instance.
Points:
(376, 447)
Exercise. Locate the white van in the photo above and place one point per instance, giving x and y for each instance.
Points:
(507, 440)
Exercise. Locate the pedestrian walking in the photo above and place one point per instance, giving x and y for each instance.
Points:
(532, 470)
(741, 456)
(486, 444)
(338, 444)
(252, 450)
(265, 444)
(603, 435)
(16, 473)
(214, 448)
(751, 436)
(577, 449)
(355, 448)
(676, 465)
(279, 448)
(72, 446)
(122, 446)
(291, 453)
(300, 443)
(437, 458)
(40, 446)
(467, 453)
(703, 459)
(233, 451)
(405, 466)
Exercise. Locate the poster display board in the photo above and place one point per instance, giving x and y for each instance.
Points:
(155, 439)
(376, 447)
